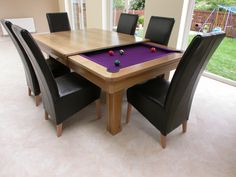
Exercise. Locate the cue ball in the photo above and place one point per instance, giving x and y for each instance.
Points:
(121, 52)
(117, 62)
(111, 52)
(153, 49)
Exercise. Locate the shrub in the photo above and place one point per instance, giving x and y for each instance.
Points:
(137, 4)
(141, 20)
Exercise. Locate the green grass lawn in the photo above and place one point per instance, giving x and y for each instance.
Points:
(223, 61)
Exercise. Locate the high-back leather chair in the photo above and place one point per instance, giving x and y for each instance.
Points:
(127, 23)
(166, 104)
(62, 96)
(56, 67)
(159, 29)
(58, 22)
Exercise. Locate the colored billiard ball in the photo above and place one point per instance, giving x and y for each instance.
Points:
(153, 49)
(121, 52)
(117, 62)
(111, 52)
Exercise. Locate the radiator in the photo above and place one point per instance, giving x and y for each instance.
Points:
(26, 23)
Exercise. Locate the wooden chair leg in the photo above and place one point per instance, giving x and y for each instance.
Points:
(46, 115)
(29, 92)
(59, 130)
(184, 126)
(98, 108)
(37, 100)
(163, 141)
(129, 109)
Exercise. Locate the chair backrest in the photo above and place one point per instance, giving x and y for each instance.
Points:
(186, 77)
(29, 70)
(44, 75)
(127, 23)
(159, 29)
(58, 22)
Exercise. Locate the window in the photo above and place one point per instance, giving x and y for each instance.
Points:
(128, 6)
(77, 13)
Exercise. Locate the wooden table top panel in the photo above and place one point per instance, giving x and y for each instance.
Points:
(69, 43)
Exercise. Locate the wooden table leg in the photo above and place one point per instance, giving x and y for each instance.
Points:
(114, 103)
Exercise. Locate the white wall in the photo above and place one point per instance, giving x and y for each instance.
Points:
(29, 8)
(98, 14)
(94, 13)
(61, 5)
(185, 24)
(167, 8)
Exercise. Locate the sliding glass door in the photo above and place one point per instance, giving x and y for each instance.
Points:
(77, 13)
(128, 6)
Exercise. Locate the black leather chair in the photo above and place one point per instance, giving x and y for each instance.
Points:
(56, 67)
(127, 23)
(159, 29)
(62, 96)
(166, 104)
(58, 22)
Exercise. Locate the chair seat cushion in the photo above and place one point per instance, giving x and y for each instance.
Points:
(155, 90)
(70, 83)
(57, 68)
(75, 93)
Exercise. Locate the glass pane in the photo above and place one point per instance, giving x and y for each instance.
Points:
(217, 17)
(131, 7)
(79, 14)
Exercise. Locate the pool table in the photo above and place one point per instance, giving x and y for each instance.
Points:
(137, 65)
(126, 55)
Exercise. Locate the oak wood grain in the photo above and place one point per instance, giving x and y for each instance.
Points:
(68, 43)
(114, 103)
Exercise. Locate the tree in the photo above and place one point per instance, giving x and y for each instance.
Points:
(119, 4)
(212, 4)
(137, 5)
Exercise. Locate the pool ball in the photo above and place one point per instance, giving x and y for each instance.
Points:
(117, 62)
(153, 49)
(111, 52)
(121, 52)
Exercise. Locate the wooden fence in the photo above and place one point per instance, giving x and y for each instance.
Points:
(199, 18)
(116, 14)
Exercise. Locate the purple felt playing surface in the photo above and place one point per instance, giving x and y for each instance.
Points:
(133, 54)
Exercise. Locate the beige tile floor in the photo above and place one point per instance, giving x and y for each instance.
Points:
(29, 146)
